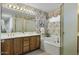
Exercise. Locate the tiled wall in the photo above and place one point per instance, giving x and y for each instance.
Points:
(52, 28)
(54, 22)
(54, 25)
(41, 22)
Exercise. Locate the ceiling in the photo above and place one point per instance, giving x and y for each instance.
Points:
(47, 7)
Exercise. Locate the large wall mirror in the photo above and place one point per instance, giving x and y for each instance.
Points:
(16, 21)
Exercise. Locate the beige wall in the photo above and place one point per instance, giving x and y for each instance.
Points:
(70, 29)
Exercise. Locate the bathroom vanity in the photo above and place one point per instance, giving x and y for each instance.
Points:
(15, 45)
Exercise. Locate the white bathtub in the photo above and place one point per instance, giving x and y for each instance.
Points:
(51, 45)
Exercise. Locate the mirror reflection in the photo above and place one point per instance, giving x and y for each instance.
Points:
(6, 23)
(17, 20)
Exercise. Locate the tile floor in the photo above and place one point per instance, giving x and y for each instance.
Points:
(38, 52)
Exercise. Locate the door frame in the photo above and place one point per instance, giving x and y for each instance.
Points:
(61, 28)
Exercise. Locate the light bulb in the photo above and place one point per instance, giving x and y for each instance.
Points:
(17, 8)
(9, 6)
(21, 9)
(14, 7)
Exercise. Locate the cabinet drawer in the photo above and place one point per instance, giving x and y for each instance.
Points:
(26, 49)
(26, 44)
(26, 39)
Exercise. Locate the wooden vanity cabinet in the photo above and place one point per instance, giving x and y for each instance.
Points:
(26, 45)
(7, 47)
(18, 46)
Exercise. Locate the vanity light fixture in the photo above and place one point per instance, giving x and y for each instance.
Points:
(24, 9)
(12, 6)
(21, 9)
(27, 10)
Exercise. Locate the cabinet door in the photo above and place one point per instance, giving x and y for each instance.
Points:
(38, 42)
(26, 45)
(33, 43)
(18, 46)
(7, 46)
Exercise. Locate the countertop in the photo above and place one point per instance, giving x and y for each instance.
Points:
(17, 35)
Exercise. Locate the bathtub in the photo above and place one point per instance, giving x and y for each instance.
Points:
(51, 45)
